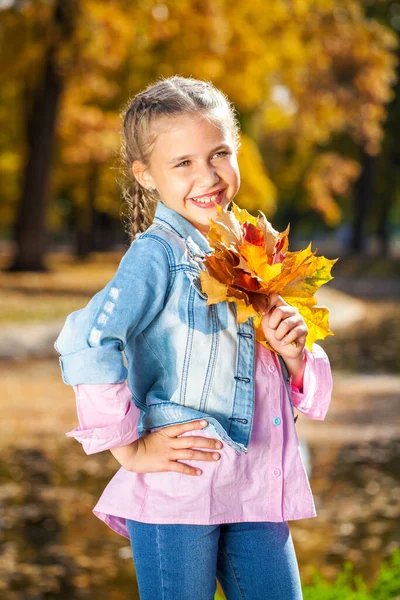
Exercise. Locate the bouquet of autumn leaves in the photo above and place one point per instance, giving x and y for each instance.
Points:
(251, 259)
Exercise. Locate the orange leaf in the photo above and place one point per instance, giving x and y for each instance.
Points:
(250, 259)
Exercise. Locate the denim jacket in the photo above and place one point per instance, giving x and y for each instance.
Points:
(150, 324)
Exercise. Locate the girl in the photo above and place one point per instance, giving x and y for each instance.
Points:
(197, 381)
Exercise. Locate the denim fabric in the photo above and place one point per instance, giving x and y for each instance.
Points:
(252, 561)
(150, 324)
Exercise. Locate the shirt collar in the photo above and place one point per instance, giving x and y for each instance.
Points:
(181, 226)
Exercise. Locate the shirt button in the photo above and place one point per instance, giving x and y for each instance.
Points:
(271, 368)
(277, 421)
(276, 472)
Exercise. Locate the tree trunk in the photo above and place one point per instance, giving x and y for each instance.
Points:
(362, 201)
(85, 217)
(383, 229)
(30, 233)
(392, 167)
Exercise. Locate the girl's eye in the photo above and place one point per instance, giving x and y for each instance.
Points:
(187, 161)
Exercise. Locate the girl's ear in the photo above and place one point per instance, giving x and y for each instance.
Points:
(141, 174)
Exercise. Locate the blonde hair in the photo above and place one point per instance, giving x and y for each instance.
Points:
(167, 97)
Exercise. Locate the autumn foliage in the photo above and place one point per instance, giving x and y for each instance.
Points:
(251, 259)
(300, 74)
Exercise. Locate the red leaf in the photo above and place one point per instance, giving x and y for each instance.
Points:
(252, 234)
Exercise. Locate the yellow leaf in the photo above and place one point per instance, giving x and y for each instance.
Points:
(315, 317)
(228, 231)
(257, 261)
(251, 259)
(242, 215)
(315, 274)
(216, 291)
(244, 312)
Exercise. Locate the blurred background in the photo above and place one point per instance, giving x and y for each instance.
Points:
(316, 86)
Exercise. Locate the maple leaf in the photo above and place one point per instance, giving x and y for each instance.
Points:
(251, 259)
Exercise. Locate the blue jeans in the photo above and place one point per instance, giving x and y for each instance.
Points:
(252, 561)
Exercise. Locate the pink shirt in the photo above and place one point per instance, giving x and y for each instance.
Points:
(269, 483)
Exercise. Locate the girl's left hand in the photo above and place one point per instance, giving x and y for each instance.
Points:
(283, 323)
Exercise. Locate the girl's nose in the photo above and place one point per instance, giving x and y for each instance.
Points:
(208, 177)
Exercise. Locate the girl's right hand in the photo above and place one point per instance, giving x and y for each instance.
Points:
(160, 450)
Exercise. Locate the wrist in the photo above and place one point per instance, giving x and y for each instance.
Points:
(296, 367)
(125, 454)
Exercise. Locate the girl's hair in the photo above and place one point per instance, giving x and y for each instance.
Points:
(167, 97)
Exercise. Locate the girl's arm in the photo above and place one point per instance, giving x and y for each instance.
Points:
(93, 338)
(315, 396)
(107, 416)
(311, 378)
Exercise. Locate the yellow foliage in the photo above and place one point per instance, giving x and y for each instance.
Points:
(330, 174)
(300, 75)
(251, 259)
(256, 188)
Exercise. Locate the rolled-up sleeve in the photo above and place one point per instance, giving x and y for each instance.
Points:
(93, 338)
(107, 416)
(315, 397)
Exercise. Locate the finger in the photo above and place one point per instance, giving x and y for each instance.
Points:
(280, 313)
(272, 301)
(197, 442)
(183, 468)
(302, 339)
(294, 335)
(266, 303)
(277, 300)
(178, 428)
(191, 454)
(285, 326)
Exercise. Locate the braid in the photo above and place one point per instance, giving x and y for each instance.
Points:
(143, 208)
(140, 203)
(140, 207)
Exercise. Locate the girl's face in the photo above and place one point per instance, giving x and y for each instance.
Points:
(192, 160)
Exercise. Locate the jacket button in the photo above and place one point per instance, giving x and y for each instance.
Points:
(277, 421)
(276, 472)
(271, 368)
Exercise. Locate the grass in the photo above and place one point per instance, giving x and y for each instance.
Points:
(349, 586)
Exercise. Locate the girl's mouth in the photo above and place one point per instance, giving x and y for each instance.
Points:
(208, 202)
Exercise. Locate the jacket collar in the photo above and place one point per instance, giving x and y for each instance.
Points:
(169, 217)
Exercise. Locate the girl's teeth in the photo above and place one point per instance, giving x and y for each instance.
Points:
(210, 199)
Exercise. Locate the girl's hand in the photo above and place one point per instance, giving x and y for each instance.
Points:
(283, 323)
(160, 450)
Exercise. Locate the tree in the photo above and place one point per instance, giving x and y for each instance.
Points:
(30, 229)
(302, 76)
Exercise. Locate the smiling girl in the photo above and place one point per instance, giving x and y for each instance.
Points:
(163, 380)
